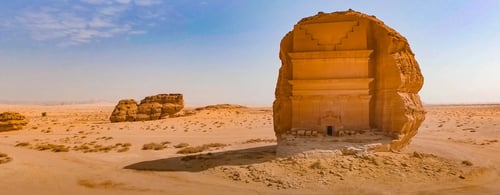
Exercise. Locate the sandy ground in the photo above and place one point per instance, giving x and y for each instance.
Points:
(76, 150)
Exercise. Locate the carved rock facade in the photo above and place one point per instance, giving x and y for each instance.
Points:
(151, 108)
(12, 121)
(347, 74)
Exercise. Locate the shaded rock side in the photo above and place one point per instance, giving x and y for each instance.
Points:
(150, 108)
(353, 58)
(12, 121)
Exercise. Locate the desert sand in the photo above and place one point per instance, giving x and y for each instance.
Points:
(75, 149)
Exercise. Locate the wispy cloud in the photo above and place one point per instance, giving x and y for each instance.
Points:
(87, 22)
(112, 10)
(5, 24)
(147, 2)
(137, 32)
(137, 2)
(98, 2)
(123, 1)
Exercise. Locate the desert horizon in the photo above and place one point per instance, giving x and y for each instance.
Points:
(195, 105)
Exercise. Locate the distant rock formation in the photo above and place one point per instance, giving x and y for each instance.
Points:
(346, 74)
(150, 108)
(221, 106)
(12, 121)
(125, 110)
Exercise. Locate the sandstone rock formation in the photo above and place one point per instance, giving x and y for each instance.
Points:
(12, 121)
(125, 110)
(221, 106)
(150, 108)
(347, 74)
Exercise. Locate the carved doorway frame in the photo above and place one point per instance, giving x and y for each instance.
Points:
(330, 119)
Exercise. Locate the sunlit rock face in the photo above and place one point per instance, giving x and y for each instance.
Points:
(125, 110)
(346, 79)
(150, 108)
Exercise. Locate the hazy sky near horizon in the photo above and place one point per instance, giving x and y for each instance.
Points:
(223, 51)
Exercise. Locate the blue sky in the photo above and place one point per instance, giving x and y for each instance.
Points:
(223, 51)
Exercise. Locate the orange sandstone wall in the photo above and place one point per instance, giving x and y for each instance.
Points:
(395, 107)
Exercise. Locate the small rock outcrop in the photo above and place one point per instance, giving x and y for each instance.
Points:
(150, 108)
(221, 106)
(12, 121)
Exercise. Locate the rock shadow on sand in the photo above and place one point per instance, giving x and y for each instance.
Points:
(202, 162)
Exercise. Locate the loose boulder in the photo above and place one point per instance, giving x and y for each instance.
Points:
(12, 121)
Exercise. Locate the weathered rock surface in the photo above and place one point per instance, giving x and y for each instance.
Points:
(347, 74)
(160, 106)
(12, 121)
(150, 108)
(125, 110)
